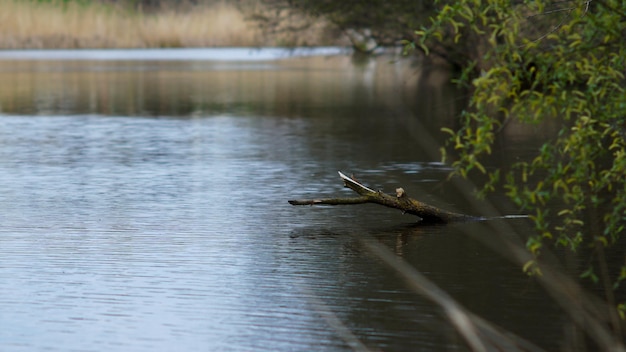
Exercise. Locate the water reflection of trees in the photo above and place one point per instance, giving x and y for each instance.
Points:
(286, 88)
(400, 100)
(418, 101)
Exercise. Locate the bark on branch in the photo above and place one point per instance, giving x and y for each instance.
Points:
(401, 201)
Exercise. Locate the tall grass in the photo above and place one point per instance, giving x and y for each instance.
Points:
(38, 25)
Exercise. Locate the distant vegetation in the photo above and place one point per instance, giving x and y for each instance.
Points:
(367, 24)
(140, 24)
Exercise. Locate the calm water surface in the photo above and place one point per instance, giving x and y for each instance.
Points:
(143, 207)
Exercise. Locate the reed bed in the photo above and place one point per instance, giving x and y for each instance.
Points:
(47, 25)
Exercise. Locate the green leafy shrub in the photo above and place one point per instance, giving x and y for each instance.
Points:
(559, 62)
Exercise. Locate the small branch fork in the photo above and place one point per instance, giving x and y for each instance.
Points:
(401, 201)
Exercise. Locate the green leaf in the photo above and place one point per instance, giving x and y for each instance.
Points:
(589, 274)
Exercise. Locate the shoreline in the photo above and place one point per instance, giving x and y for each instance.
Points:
(173, 54)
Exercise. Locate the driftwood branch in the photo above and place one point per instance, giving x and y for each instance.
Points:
(401, 201)
(330, 201)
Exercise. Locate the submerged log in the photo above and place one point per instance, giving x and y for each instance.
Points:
(401, 201)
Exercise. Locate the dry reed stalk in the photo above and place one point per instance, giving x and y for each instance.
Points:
(217, 25)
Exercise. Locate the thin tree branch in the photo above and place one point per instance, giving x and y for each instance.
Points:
(401, 201)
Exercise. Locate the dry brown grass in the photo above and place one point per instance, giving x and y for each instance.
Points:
(33, 25)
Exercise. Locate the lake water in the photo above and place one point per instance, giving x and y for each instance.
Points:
(143, 206)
